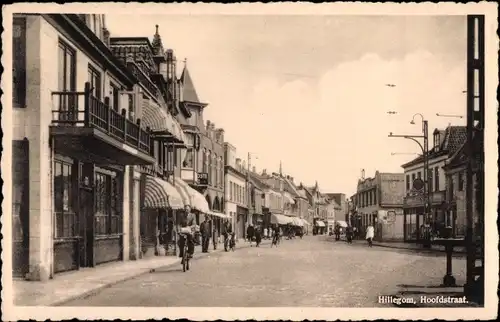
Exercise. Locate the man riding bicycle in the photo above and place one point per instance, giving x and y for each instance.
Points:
(187, 221)
(227, 230)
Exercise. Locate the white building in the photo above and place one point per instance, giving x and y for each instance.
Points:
(235, 191)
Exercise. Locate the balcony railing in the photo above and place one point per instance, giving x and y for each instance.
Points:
(155, 170)
(85, 110)
(143, 79)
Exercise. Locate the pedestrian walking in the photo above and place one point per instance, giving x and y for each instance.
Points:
(349, 234)
(258, 236)
(205, 235)
(265, 232)
(370, 233)
(250, 233)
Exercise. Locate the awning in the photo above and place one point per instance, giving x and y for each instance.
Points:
(161, 122)
(319, 223)
(218, 214)
(297, 222)
(289, 199)
(341, 223)
(161, 194)
(280, 219)
(196, 199)
(180, 186)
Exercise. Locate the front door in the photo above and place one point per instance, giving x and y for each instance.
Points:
(87, 227)
(20, 207)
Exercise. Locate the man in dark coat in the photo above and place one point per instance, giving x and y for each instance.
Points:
(205, 235)
(250, 233)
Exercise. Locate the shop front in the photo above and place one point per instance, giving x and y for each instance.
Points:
(161, 202)
(414, 216)
(319, 227)
(241, 222)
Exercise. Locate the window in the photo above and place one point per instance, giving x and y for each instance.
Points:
(460, 181)
(419, 175)
(215, 174)
(67, 82)
(188, 160)
(431, 181)
(94, 78)
(407, 182)
(230, 191)
(436, 140)
(115, 97)
(65, 216)
(436, 178)
(19, 62)
(374, 197)
(107, 205)
(204, 161)
(412, 178)
(221, 173)
(209, 168)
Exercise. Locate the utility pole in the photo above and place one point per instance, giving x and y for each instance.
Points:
(474, 287)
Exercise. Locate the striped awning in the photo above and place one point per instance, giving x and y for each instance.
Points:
(180, 186)
(192, 197)
(218, 214)
(159, 193)
(319, 223)
(280, 219)
(161, 122)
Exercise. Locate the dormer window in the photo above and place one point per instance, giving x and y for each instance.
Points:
(437, 139)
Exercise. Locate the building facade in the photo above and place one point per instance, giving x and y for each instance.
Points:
(342, 202)
(379, 203)
(236, 204)
(445, 143)
(75, 197)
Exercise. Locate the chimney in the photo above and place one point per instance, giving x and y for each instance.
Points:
(212, 126)
(264, 172)
(243, 164)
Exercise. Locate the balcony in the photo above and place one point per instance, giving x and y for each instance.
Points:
(88, 129)
(156, 170)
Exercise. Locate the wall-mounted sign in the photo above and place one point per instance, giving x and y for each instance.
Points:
(203, 178)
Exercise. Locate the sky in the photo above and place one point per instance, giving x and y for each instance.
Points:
(310, 91)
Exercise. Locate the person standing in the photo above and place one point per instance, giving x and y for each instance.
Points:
(250, 233)
(258, 236)
(370, 233)
(205, 235)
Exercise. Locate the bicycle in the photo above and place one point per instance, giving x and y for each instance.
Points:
(185, 253)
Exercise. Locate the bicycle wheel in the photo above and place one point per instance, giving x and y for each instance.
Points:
(184, 260)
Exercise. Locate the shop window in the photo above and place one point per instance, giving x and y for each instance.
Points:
(19, 62)
(65, 216)
(107, 205)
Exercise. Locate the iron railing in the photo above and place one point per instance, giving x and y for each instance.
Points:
(85, 110)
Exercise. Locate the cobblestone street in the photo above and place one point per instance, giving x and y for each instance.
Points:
(312, 272)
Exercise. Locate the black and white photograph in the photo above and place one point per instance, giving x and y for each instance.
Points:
(250, 161)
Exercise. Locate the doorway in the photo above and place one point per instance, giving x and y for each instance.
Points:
(86, 247)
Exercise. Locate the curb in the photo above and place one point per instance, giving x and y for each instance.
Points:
(135, 275)
(431, 250)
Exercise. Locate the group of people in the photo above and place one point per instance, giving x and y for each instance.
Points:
(351, 232)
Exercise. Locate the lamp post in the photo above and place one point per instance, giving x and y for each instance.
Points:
(425, 153)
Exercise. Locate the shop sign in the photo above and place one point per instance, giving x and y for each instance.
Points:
(202, 178)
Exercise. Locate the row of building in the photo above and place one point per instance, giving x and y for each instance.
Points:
(110, 144)
(389, 202)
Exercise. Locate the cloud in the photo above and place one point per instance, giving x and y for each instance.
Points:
(332, 129)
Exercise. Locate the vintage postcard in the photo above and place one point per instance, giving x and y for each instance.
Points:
(250, 161)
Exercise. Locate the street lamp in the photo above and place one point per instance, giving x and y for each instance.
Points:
(425, 153)
(450, 115)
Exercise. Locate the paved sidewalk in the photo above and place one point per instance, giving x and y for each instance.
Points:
(407, 246)
(86, 281)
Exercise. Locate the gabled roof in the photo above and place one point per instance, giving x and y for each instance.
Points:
(454, 138)
(188, 89)
(257, 181)
(290, 187)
